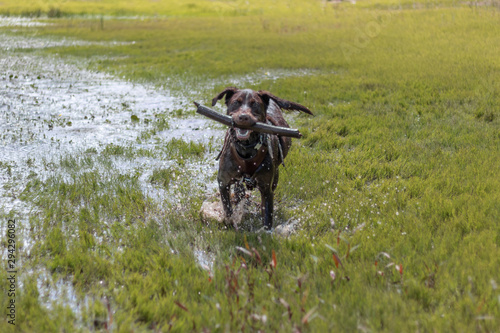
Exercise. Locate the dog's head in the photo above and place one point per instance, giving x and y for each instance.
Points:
(247, 107)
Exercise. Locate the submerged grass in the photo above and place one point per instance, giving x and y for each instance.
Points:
(395, 184)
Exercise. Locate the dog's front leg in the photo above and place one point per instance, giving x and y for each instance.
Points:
(225, 197)
(267, 205)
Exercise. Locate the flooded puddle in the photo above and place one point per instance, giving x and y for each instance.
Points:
(7, 21)
(51, 109)
(60, 292)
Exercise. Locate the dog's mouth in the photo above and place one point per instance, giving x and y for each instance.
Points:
(243, 134)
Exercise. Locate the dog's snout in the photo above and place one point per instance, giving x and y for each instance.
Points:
(244, 118)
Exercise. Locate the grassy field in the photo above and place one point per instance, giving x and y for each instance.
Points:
(395, 184)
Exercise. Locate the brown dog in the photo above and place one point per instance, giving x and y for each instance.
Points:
(249, 157)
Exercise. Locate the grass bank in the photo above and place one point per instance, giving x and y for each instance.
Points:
(395, 184)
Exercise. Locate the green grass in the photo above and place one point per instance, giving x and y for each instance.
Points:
(397, 174)
(63, 8)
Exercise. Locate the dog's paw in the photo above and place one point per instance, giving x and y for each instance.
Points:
(264, 230)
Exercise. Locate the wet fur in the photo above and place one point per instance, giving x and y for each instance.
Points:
(247, 107)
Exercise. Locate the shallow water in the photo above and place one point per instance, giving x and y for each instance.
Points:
(52, 108)
(60, 292)
(7, 21)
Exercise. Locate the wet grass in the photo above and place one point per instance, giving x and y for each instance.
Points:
(395, 184)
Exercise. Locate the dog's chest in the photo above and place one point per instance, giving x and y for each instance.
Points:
(248, 166)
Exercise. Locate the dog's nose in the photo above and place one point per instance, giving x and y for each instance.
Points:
(244, 118)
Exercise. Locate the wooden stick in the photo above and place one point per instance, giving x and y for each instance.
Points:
(258, 127)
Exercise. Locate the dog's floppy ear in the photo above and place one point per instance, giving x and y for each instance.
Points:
(284, 104)
(229, 92)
